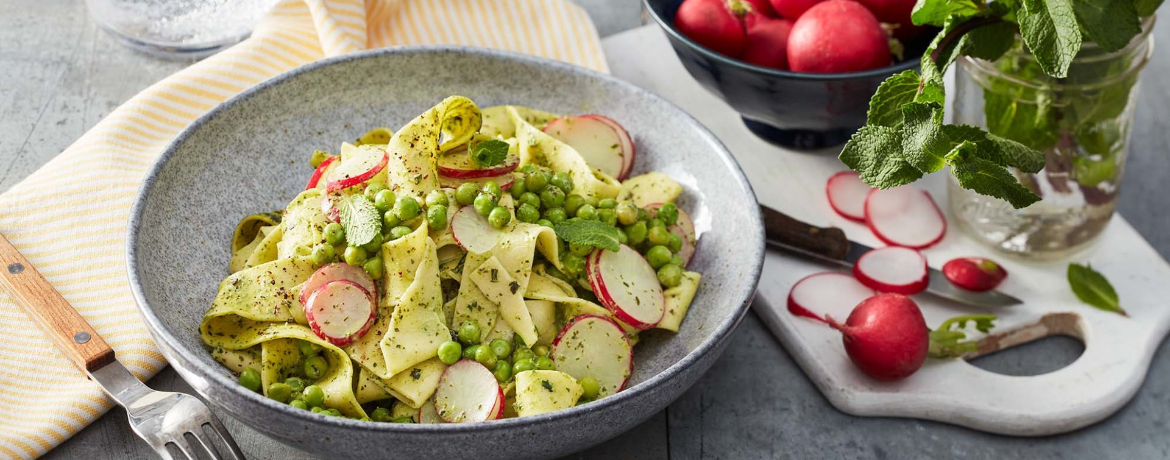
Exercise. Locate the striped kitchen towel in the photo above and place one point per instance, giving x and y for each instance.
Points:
(70, 217)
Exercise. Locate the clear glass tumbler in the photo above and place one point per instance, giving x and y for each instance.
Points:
(1080, 122)
(179, 28)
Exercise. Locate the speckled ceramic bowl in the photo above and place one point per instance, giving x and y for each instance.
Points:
(250, 155)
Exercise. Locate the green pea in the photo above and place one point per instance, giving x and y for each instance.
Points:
(675, 259)
(622, 238)
(627, 213)
(399, 232)
(502, 348)
(536, 181)
(355, 256)
(250, 379)
(528, 168)
(574, 264)
(591, 387)
(485, 356)
(316, 367)
(372, 190)
(636, 232)
(591, 201)
(658, 256)
(544, 223)
(316, 409)
(670, 275)
(523, 366)
(587, 212)
(607, 203)
(527, 213)
(437, 197)
(469, 332)
(332, 412)
(402, 420)
(466, 192)
(555, 215)
(522, 353)
(308, 348)
(573, 202)
(484, 203)
(530, 198)
(406, 208)
(389, 220)
(675, 242)
(643, 215)
(552, 197)
(655, 222)
(563, 181)
(659, 236)
(375, 267)
(544, 363)
(323, 254)
(334, 233)
(299, 404)
(580, 249)
(499, 217)
(503, 371)
(518, 187)
(492, 188)
(384, 200)
(450, 352)
(279, 392)
(540, 350)
(668, 213)
(469, 352)
(314, 396)
(380, 414)
(437, 216)
(296, 384)
(607, 216)
(375, 245)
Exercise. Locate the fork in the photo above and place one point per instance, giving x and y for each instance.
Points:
(160, 418)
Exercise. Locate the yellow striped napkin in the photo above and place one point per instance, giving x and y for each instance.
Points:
(70, 216)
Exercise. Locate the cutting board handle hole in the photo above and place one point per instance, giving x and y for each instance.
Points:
(1049, 344)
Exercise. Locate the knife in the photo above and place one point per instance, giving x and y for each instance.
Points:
(830, 246)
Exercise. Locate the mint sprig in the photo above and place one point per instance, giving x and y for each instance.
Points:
(1092, 288)
(589, 232)
(359, 218)
(490, 152)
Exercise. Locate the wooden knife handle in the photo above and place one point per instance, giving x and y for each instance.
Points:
(828, 242)
(72, 334)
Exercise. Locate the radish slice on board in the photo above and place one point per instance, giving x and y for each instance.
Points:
(459, 165)
(428, 414)
(333, 272)
(472, 232)
(468, 392)
(628, 286)
(974, 273)
(320, 172)
(905, 216)
(684, 228)
(826, 293)
(627, 144)
(504, 181)
(847, 193)
(595, 139)
(340, 312)
(362, 166)
(893, 269)
(594, 346)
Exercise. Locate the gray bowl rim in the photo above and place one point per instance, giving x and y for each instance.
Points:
(878, 72)
(171, 342)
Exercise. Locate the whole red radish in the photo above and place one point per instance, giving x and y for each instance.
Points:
(885, 336)
(767, 44)
(715, 24)
(763, 7)
(894, 12)
(974, 273)
(793, 9)
(837, 36)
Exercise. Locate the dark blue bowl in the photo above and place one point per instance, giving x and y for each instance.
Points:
(795, 110)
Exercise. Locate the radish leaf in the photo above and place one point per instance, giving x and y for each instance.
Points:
(947, 341)
(360, 219)
(1092, 288)
(589, 232)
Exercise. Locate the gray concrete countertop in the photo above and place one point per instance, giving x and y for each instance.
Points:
(60, 76)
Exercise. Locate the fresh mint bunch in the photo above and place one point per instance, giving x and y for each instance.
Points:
(905, 137)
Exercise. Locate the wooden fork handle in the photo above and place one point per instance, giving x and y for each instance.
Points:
(72, 334)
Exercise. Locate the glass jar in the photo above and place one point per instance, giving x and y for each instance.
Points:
(179, 28)
(1082, 125)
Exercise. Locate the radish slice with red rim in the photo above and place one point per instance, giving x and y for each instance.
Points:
(594, 346)
(468, 392)
(826, 293)
(340, 312)
(333, 272)
(905, 216)
(320, 172)
(893, 269)
(628, 145)
(363, 165)
(684, 228)
(504, 181)
(428, 414)
(628, 286)
(974, 273)
(498, 413)
(472, 232)
(459, 165)
(595, 139)
(846, 192)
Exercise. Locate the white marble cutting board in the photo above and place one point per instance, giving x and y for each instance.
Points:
(1117, 349)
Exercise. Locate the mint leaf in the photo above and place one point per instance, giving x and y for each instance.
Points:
(1109, 23)
(885, 108)
(987, 177)
(1012, 153)
(1146, 7)
(588, 232)
(1012, 115)
(359, 218)
(490, 152)
(1092, 288)
(875, 153)
(935, 12)
(947, 341)
(923, 142)
(988, 42)
(1049, 28)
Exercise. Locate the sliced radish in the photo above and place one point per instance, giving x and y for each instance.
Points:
(428, 414)
(847, 192)
(472, 232)
(333, 272)
(974, 273)
(320, 172)
(684, 228)
(826, 293)
(628, 286)
(468, 392)
(362, 166)
(905, 216)
(893, 269)
(594, 346)
(504, 181)
(596, 140)
(458, 165)
(628, 145)
(498, 413)
(340, 312)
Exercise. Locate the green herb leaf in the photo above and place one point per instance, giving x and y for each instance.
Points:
(947, 341)
(359, 218)
(988, 42)
(875, 153)
(1146, 7)
(924, 144)
(987, 177)
(935, 12)
(1092, 288)
(589, 232)
(885, 108)
(1109, 23)
(490, 152)
(1011, 153)
(1022, 116)
(1049, 28)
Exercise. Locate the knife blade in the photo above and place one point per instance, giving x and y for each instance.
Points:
(829, 245)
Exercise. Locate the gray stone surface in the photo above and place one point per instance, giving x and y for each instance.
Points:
(59, 75)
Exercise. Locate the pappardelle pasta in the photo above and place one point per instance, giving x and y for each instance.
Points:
(470, 266)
